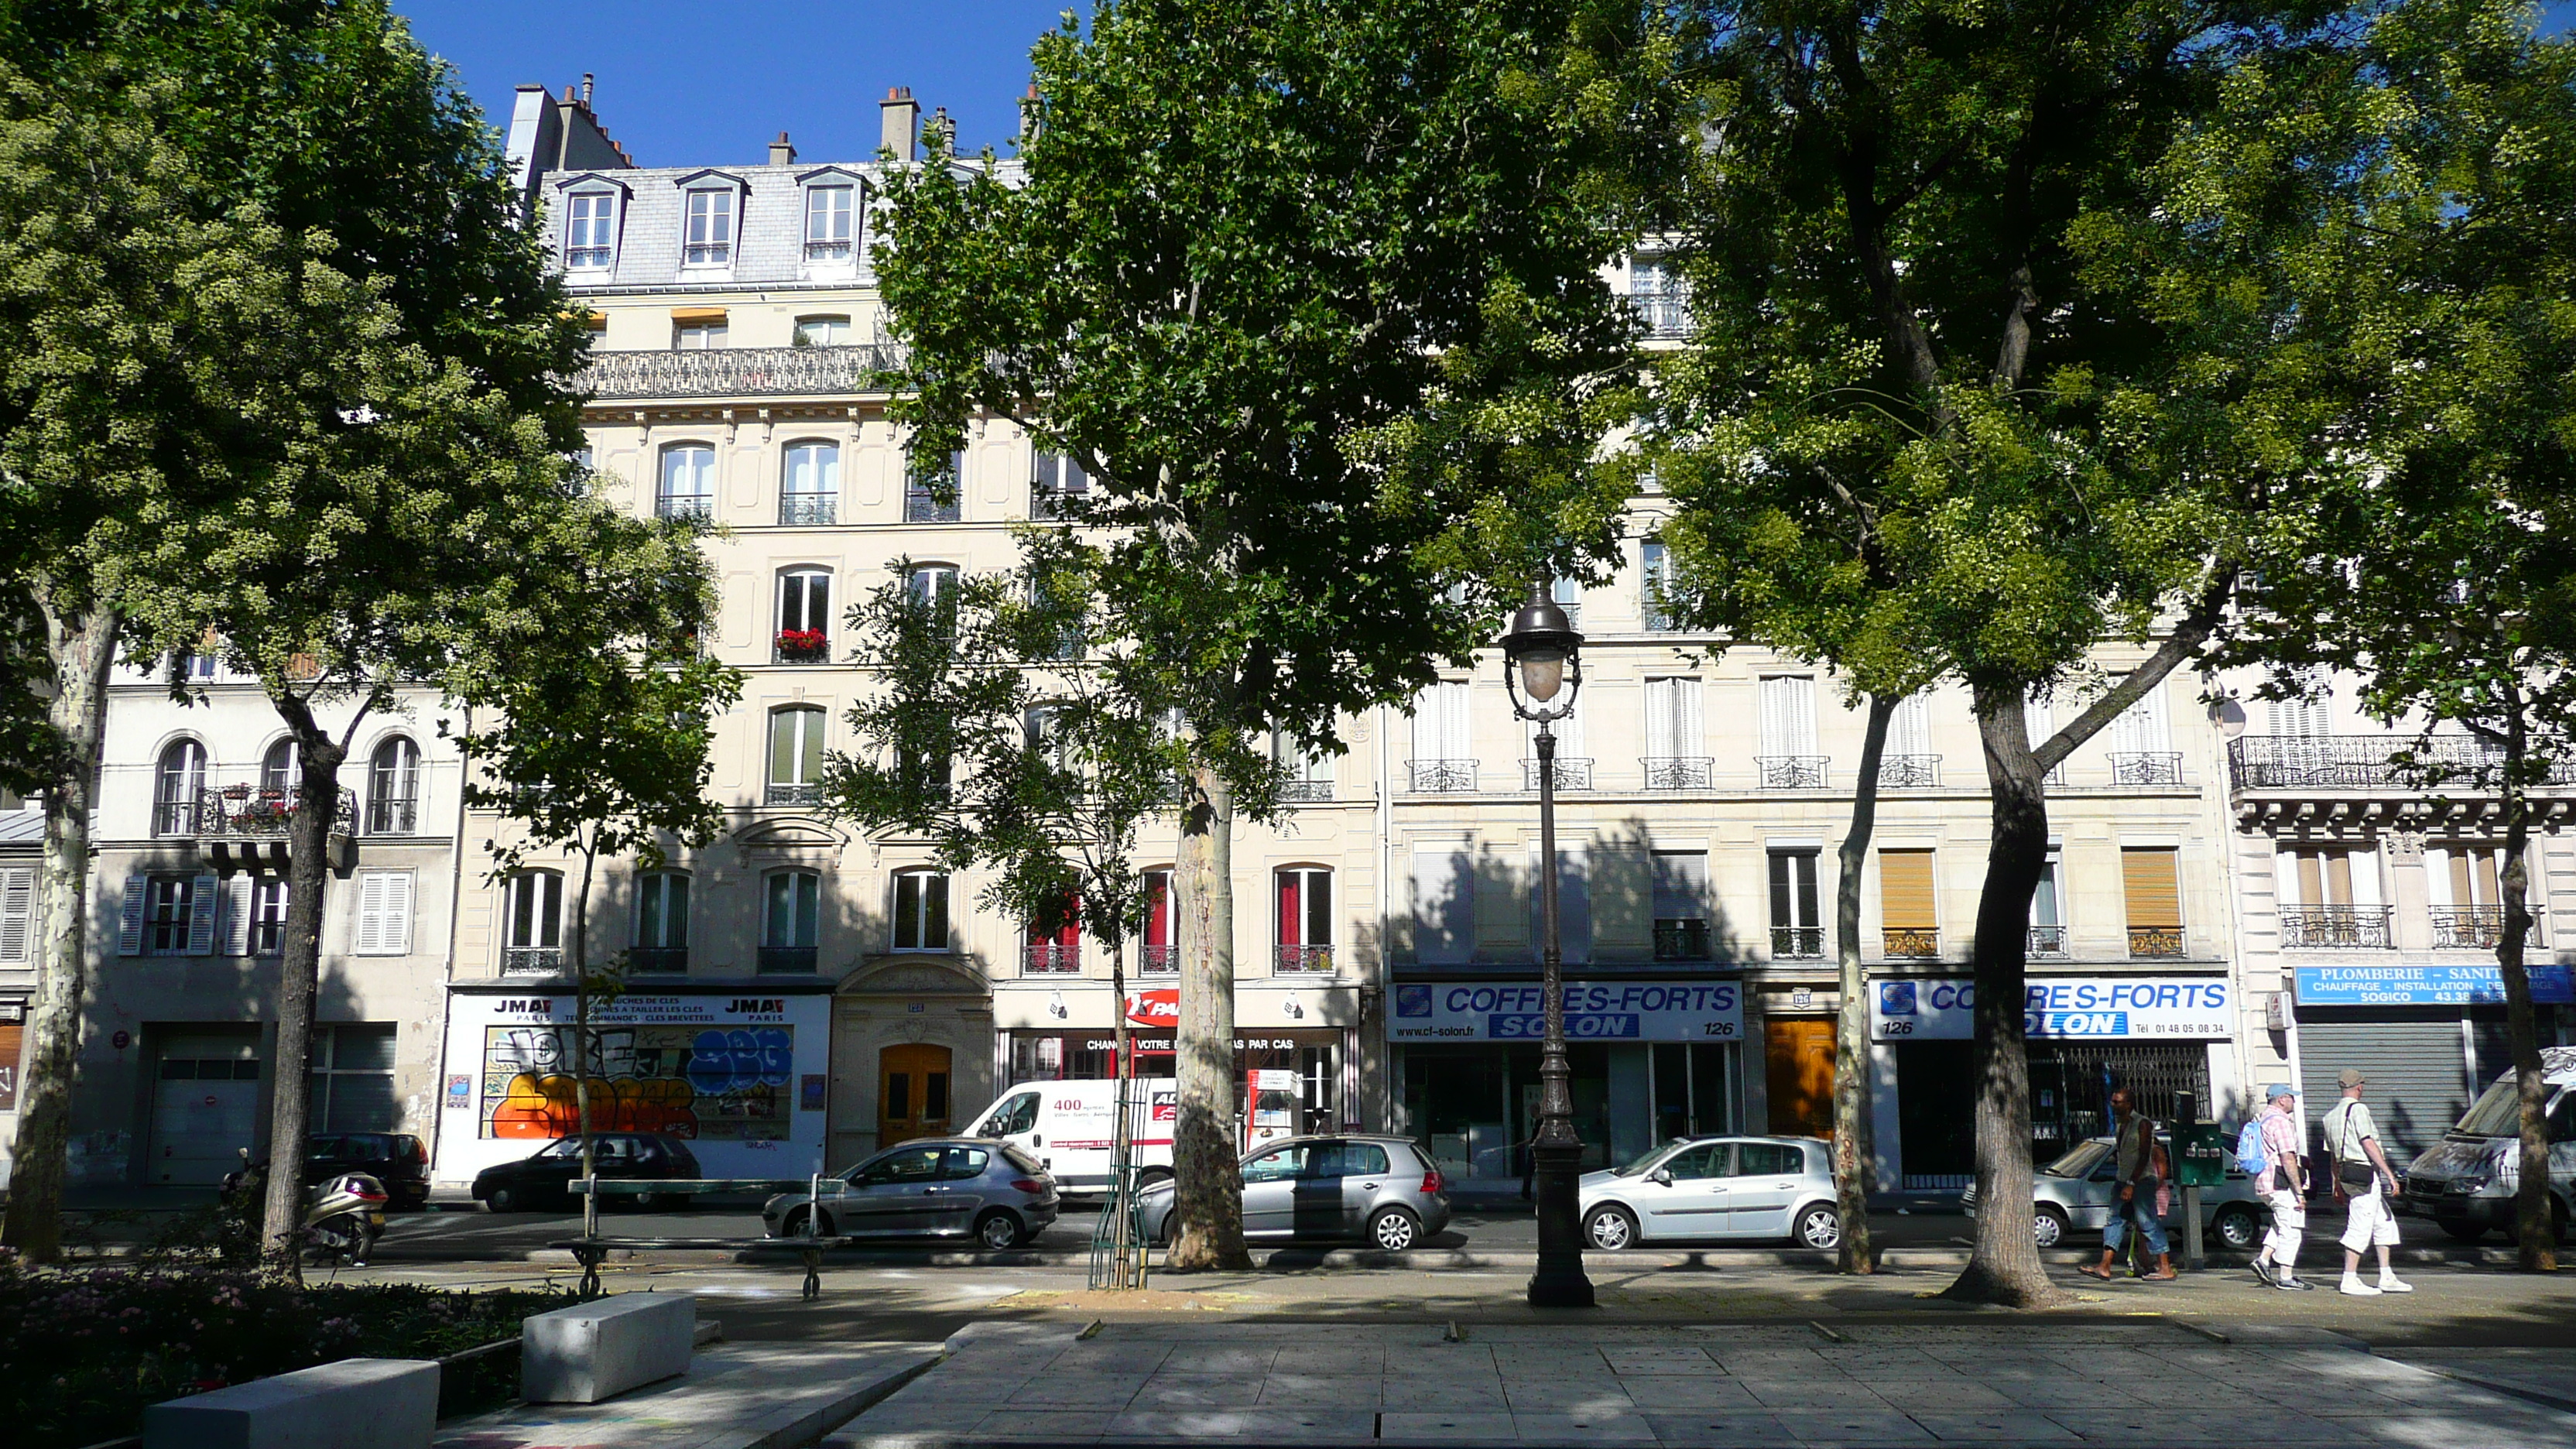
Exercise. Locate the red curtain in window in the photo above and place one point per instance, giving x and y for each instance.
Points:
(1068, 936)
(1158, 908)
(1292, 914)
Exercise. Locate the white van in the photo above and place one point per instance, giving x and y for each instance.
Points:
(2466, 1182)
(1067, 1126)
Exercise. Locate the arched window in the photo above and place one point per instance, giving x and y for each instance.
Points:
(811, 490)
(688, 488)
(1305, 894)
(532, 922)
(790, 920)
(795, 755)
(921, 910)
(804, 616)
(182, 780)
(393, 788)
(661, 921)
(277, 771)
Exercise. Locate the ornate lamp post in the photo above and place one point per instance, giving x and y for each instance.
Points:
(1544, 671)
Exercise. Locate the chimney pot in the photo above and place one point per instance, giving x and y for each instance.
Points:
(781, 153)
(586, 78)
(901, 123)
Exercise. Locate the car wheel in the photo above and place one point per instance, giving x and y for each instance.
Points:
(501, 1200)
(2236, 1228)
(2461, 1230)
(1819, 1227)
(1395, 1229)
(1610, 1229)
(1151, 1176)
(793, 1225)
(998, 1230)
(2048, 1224)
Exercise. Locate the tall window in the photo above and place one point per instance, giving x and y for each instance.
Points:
(1059, 487)
(795, 755)
(804, 616)
(1789, 760)
(169, 915)
(812, 487)
(932, 496)
(1057, 951)
(662, 921)
(824, 332)
(393, 788)
(268, 918)
(1568, 595)
(921, 910)
(588, 228)
(1681, 906)
(2048, 914)
(709, 240)
(688, 482)
(181, 778)
(1907, 918)
(1443, 760)
(790, 917)
(2466, 897)
(2142, 751)
(1309, 777)
(1155, 956)
(1305, 897)
(2329, 898)
(1797, 932)
(1673, 726)
(1655, 584)
(2153, 888)
(532, 922)
(277, 771)
(1656, 290)
(830, 223)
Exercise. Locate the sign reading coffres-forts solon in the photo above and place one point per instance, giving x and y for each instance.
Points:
(1594, 1011)
(1943, 1008)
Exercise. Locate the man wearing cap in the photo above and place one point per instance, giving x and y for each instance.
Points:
(2284, 1186)
(2360, 1168)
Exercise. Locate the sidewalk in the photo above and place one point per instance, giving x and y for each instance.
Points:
(1774, 1387)
(737, 1396)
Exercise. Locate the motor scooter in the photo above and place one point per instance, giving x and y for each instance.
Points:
(344, 1213)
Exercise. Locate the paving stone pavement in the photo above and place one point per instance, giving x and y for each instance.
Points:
(1766, 1387)
(738, 1396)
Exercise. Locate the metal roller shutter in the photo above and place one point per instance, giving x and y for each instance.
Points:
(2418, 1078)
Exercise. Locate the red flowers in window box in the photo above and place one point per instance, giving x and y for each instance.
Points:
(802, 644)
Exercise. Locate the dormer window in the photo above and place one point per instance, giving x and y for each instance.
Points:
(831, 217)
(590, 226)
(709, 239)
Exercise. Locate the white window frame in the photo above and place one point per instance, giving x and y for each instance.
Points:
(381, 924)
(845, 326)
(597, 210)
(405, 793)
(914, 920)
(822, 246)
(700, 245)
(536, 896)
(805, 606)
(268, 902)
(703, 474)
(810, 468)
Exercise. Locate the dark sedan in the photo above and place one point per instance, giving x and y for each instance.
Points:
(546, 1179)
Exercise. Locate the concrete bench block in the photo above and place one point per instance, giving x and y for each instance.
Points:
(357, 1403)
(598, 1350)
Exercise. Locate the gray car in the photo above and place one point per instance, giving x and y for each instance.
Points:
(930, 1187)
(1704, 1188)
(2073, 1195)
(1378, 1189)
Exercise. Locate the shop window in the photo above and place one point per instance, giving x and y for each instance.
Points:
(661, 921)
(2154, 897)
(921, 910)
(353, 1080)
(532, 922)
(1305, 915)
(1797, 933)
(1908, 925)
(791, 920)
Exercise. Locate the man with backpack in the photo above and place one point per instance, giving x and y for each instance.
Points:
(2141, 1167)
(2360, 1167)
(2273, 1149)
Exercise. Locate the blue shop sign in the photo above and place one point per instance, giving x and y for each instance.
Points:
(2426, 985)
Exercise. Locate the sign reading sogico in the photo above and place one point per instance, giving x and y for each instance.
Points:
(2095, 1007)
(1594, 1011)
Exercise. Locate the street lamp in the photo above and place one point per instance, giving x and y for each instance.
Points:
(1543, 670)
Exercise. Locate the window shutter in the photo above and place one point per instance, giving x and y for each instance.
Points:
(1453, 722)
(2285, 878)
(1789, 715)
(1905, 890)
(2155, 897)
(201, 915)
(17, 909)
(129, 928)
(2364, 868)
(232, 914)
(1426, 725)
(1672, 718)
(368, 939)
(2140, 729)
(395, 932)
(1910, 731)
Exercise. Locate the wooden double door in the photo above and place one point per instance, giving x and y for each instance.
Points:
(912, 1093)
(1798, 1059)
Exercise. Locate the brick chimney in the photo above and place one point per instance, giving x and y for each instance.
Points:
(780, 153)
(902, 124)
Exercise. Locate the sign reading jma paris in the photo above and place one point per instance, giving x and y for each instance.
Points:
(1594, 1011)
(1944, 1008)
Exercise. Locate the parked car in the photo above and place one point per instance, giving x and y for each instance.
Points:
(935, 1187)
(2465, 1183)
(1382, 1190)
(1708, 1188)
(396, 1160)
(2074, 1194)
(545, 1180)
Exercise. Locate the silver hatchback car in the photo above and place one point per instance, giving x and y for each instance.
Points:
(1701, 1188)
(1378, 1189)
(936, 1187)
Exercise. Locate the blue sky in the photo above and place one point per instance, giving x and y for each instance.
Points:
(699, 84)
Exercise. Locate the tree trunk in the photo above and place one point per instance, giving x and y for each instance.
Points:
(581, 1046)
(1207, 1165)
(82, 644)
(308, 874)
(2536, 1236)
(1855, 1140)
(2004, 1265)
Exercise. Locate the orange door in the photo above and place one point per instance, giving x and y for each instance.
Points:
(912, 1093)
(1800, 1075)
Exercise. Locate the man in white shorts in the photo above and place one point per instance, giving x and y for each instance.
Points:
(2284, 1186)
(2363, 1178)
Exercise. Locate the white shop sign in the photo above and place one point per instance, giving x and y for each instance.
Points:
(2091, 1007)
(1594, 1011)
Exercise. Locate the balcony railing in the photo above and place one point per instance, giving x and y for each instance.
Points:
(2048, 943)
(1909, 772)
(1053, 505)
(2155, 940)
(2331, 928)
(393, 814)
(1791, 772)
(781, 793)
(1304, 961)
(243, 812)
(805, 510)
(786, 960)
(1797, 943)
(920, 505)
(1441, 777)
(740, 371)
(531, 960)
(2474, 928)
(1158, 960)
(1665, 315)
(1682, 938)
(1051, 958)
(2363, 762)
(684, 505)
(2146, 767)
(658, 960)
(1569, 774)
(1306, 791)
(1910, 941)
(1677, 772)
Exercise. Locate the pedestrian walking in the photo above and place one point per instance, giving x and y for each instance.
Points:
(2284, 1186)
(2141, 1170)
(2360, 1171)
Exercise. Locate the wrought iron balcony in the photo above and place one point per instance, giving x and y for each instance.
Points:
(2146, 767)
(1304, 961)
(1677, 772)
(1797, 943)
(531, 960)
(1306, 791)
(784, 793)
(658, 960)
(1442, 777)
(1656, 618)
(1158, 960)
(741, 371)
(1791, 772)
(1569, 774)
(1666, 316)
(1051, 958)
(684, 505)
(393, 814)
(1910, 941)
(1909, 772)
(786, 960)
(2330, 928)
(2474, 928)
(2048, 943)
(2368, 762)
(920, 505)
(2155, 940)
(1056, 505)
(807, 510)
(1682, 938)
(244, 812)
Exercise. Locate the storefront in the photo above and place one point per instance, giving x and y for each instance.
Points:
(1650, 1060)
(736, 1070)
(2159, 1036)
(2429, 1038)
